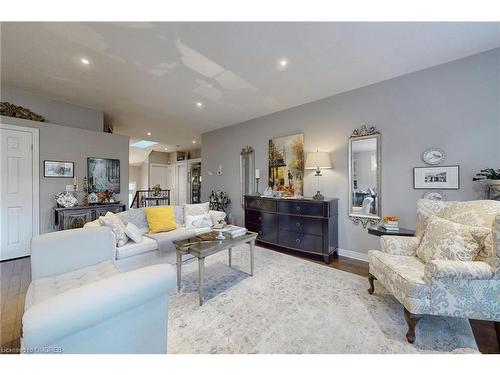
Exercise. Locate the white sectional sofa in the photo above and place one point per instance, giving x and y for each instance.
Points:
(80, 302)
(133, 255)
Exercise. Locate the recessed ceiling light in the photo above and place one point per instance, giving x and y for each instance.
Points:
(194, 141)
(282, 63)
(85, 61)
(148, 133)
(165, 149)
(199, 104)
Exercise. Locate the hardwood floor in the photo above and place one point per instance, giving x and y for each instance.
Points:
(15, 276)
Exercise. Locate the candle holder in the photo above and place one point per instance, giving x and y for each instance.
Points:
(257, 187)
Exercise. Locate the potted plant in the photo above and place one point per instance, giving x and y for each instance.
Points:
(490, 177)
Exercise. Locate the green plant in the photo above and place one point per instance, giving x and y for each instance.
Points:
(219, 201)
(487, 174)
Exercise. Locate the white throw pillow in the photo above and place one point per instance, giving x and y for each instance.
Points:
(116, 224)
(133, 232)
(199, 221)
(195, 209)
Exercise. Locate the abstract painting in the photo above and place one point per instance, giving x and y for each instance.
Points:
(103, 175)
(286, 164)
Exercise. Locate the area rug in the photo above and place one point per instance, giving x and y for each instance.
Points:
(293, 305)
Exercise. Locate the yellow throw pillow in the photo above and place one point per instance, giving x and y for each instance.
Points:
(160, 219)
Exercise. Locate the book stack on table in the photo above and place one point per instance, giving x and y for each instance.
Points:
(234, 231)
(391, 224)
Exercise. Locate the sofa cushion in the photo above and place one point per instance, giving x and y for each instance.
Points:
(195, 209)
(479, 213)
(133, 232)
(131, 248)
(404, 273)
(447, 240)
(136, 216)
(160, 219)
(46, 287)
(199, 221)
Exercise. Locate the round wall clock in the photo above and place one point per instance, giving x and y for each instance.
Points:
(434, 195)
(433, 156)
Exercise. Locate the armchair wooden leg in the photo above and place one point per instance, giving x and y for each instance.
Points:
(412, 320)
(371, 278)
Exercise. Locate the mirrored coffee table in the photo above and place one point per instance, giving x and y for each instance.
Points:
(205, 245)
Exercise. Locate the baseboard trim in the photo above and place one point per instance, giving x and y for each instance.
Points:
(353, 254)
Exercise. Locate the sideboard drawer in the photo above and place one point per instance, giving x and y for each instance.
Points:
(301, 224)
(260, 204)
(261, 218)
(269, 234)
(301, 208)
(308, 242)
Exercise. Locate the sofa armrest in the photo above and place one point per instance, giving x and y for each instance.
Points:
(60, 252)
(457, 269)
(79, 308)
(399, 245)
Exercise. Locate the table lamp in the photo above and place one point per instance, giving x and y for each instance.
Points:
(318, 161)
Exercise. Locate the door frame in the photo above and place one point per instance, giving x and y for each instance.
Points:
(35, 154)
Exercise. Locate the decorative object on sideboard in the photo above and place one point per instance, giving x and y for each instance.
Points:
(85, 199)
(318, 161)
(434, 195)
(12, 110)
(247, 172)
(433, 156)
(58, 169)
(219, 201)
(286, 164)
(156, 190)
(268, 192)
(103, 174)
(93, 198)
(442, 177)
(490, 178)
(104, 197)
(65, 199)
(365, 176)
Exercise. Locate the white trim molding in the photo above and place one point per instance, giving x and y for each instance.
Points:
(353, 254)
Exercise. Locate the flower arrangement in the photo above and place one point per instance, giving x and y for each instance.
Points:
(219, 201)
(391, 218)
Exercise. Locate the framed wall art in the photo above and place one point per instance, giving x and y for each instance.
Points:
(103, 175)
(61, 169)
(442, 177)
(286, 164)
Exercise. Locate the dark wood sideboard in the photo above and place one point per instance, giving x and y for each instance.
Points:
(76, 217)
(299, 224)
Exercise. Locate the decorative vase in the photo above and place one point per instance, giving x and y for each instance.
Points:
(493, 191)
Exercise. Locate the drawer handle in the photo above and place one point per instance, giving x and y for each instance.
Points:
(297, 208)
(260, 233)
(297, 224)
(260, 218)
(297, 241)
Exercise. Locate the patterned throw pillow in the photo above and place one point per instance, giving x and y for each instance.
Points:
(114, 222)
(195, 209)
(133, 232)
(199, 221)
(444, 239)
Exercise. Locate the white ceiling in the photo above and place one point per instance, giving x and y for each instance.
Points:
(148, 76)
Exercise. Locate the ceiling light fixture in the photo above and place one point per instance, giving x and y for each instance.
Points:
(199, 104)
(165, 149)
(85, 61)
(194, 141)
(282, 63)
(148, 133)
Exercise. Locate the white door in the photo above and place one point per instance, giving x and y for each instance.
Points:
(165, 176)
(16, 193)
(182, 182)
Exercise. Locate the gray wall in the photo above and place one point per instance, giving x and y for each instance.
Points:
(454, 106)
(55, 112)
(73, 144)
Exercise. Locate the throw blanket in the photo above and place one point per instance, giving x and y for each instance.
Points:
(166, 240)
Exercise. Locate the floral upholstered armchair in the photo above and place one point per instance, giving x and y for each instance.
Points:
(451, 267)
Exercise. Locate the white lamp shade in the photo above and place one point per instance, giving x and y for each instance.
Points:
(318, 159)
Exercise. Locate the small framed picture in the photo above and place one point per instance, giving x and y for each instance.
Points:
(62, 169)
(445, 177)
